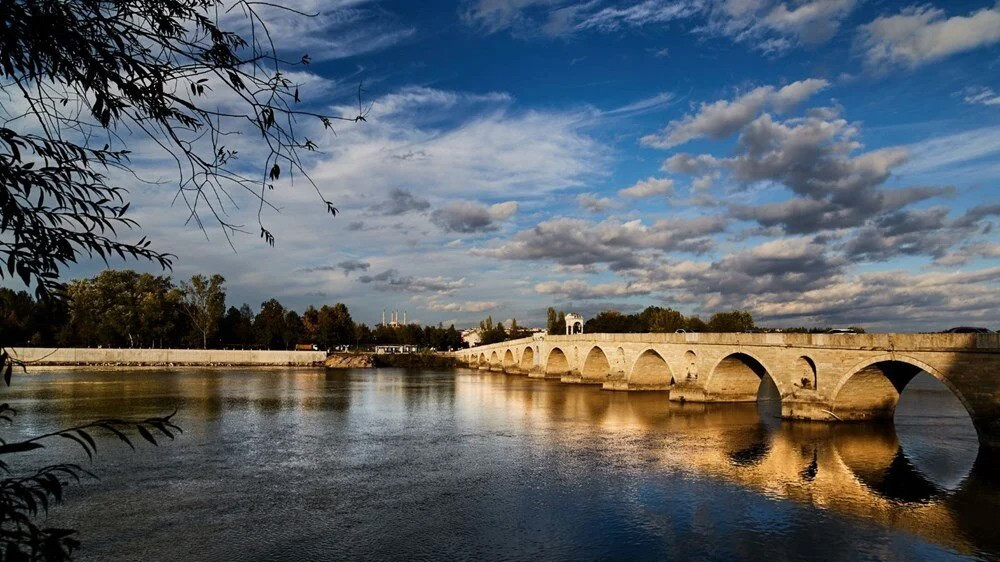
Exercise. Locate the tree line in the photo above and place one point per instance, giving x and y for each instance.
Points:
(659, 319)
(123, 308)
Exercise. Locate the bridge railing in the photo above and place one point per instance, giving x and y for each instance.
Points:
(988, 343)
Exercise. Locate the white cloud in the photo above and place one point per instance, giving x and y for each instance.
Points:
(919, 35)
(459, 144)
(579, 289)
(336, 29)
(438, 304)
(982, 96)
(722, 118)
(649, 187)
(596, 204)
(772, 27)
(767, 25)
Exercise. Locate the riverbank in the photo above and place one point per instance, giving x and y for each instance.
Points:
(402, 360)
(125, 357)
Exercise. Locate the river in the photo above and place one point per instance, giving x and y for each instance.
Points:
(309, 464)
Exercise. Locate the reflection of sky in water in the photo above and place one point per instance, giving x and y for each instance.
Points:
(935, 431)
(307, 465)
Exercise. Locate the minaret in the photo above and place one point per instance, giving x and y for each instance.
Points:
(383, 317)
(404, 317)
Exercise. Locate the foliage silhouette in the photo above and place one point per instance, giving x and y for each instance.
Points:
(123, 73)
(24, 498)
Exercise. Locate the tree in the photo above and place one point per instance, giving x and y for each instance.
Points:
(662, 320)
(125, 72)
(269, 325)
(552, 321)
(293, 329)
(335, 325)
(732, 321)
(205, 302)
(236, 327)
(16, 316)
(122, 308)
(560, 327)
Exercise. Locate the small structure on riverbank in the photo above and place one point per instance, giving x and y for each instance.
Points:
(395, 349)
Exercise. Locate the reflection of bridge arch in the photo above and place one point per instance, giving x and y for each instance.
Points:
(557, 364)
(596, 368)
(650, 372)
(871, 389)
(737, 378)
(527, 359)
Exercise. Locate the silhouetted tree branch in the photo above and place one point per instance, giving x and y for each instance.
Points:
(23, 498)
(85, 82)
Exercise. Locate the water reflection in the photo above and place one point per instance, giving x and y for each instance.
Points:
(416, 464)
(859, 470)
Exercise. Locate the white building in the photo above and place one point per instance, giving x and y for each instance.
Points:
(574, 324)
(472, 337)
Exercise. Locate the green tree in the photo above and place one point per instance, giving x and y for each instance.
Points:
(560, 323)
(335, 325)
(732, 321)
(122, 308)
(269, 325)
(205, 303)
(695, 324)
(662, 320)
(552, 321)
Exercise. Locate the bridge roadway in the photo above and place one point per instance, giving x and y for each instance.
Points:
(823, 377)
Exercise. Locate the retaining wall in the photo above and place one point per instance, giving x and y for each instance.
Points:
(115, 356)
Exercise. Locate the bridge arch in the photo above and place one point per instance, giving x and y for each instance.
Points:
(806, 373)
(557, 363)
(596, 368)
(527, 359)
(482, 361)
(691, 364)
(871, 389)
(494, 360)
(650, 371)
(737, 378)
(508, 360)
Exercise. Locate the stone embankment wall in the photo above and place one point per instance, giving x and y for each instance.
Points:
(165, 357)
(349, 361)
(401, 360)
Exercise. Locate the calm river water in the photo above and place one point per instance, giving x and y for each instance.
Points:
(412, 465)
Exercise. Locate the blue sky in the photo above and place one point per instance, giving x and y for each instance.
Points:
(817, 162)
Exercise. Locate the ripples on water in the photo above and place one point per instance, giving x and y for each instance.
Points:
(393, 464)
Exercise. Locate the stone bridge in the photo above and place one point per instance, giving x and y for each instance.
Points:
(824, 377)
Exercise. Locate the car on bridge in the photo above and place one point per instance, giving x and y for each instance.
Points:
(967, 330)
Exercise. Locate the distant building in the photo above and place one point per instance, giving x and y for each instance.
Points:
(395, 349)
(574, 324)
(394, 319)
(472, 337)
